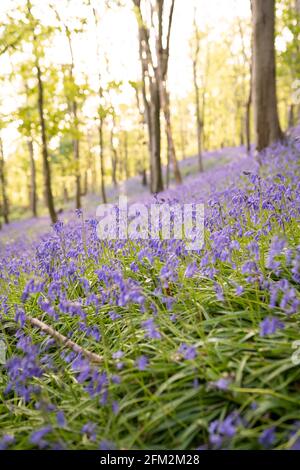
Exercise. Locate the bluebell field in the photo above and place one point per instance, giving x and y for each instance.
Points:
(176, 349)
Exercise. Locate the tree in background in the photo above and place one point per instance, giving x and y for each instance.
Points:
(38, 53)
(155, 73)
(195, 45)
(151, 99)
(102, 110)
(163, 52)
(138, 89)
(289, 58)
(27, 116)
(4, 205)
(73, 92)
(210, 110)
(267, 127)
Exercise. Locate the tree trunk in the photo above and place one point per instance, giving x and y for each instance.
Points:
(242, 140)
(92, 165)
(199, 122)
(126, 155)
(248, 121)
(291, 116)
(144, 178)
(46, 165)
(73, 105)
(152, 118)
(155, 141)
(161, 72)
(33, 193)
(165, 100)
(152, 107)
(85, 184)
(114, 156)
(76, 157)
(102, 168)
(297, 8)
(5, 205)
(267, 127)
(65, 194)
(182, 134)
(198, 116)
(45, 156)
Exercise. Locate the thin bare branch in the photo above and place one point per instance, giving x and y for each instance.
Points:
(63, 340)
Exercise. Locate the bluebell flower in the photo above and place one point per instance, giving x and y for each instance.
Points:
(188, 352)
(142, 363)
(267, 437)
(37, 437)
(6, 441)
(270, 325)
(60, 418)
(89, 429)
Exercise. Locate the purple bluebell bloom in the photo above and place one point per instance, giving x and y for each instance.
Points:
(142, 363)
(270, 325)
(188, 352)
(267, 437)
(37, 437)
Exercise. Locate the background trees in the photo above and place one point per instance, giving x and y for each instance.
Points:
(81, 114)
(267, 127)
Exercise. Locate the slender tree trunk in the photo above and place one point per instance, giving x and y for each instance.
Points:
(155, 139)
(76, 147)
(33, 192)
(242, 140)
(291, 116)
(182, 134)
(267, 127)
(65, 194)
(168, 170)
(152, 117)
(127, 175)
(152, 106)
(165, 100)
(85, 184)
(199, 123)
(114, 162)
(101, 118)
(250, 98)
(5, 204)
(73, 105)
(114, 155)
(152, 120)
(102, 167)
(248, 121)
(296, 39)
(161, 78)
(92, 164)
(144, 177)
(198, 117)
(205, 142)
(45, 156)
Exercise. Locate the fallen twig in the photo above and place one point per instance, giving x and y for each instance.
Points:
(63, 340)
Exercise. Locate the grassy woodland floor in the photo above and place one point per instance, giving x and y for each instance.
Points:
(196, 347)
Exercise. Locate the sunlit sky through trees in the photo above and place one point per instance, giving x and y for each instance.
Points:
(118, 35)
(119, 54)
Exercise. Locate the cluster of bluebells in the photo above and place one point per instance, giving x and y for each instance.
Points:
(247, 214)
